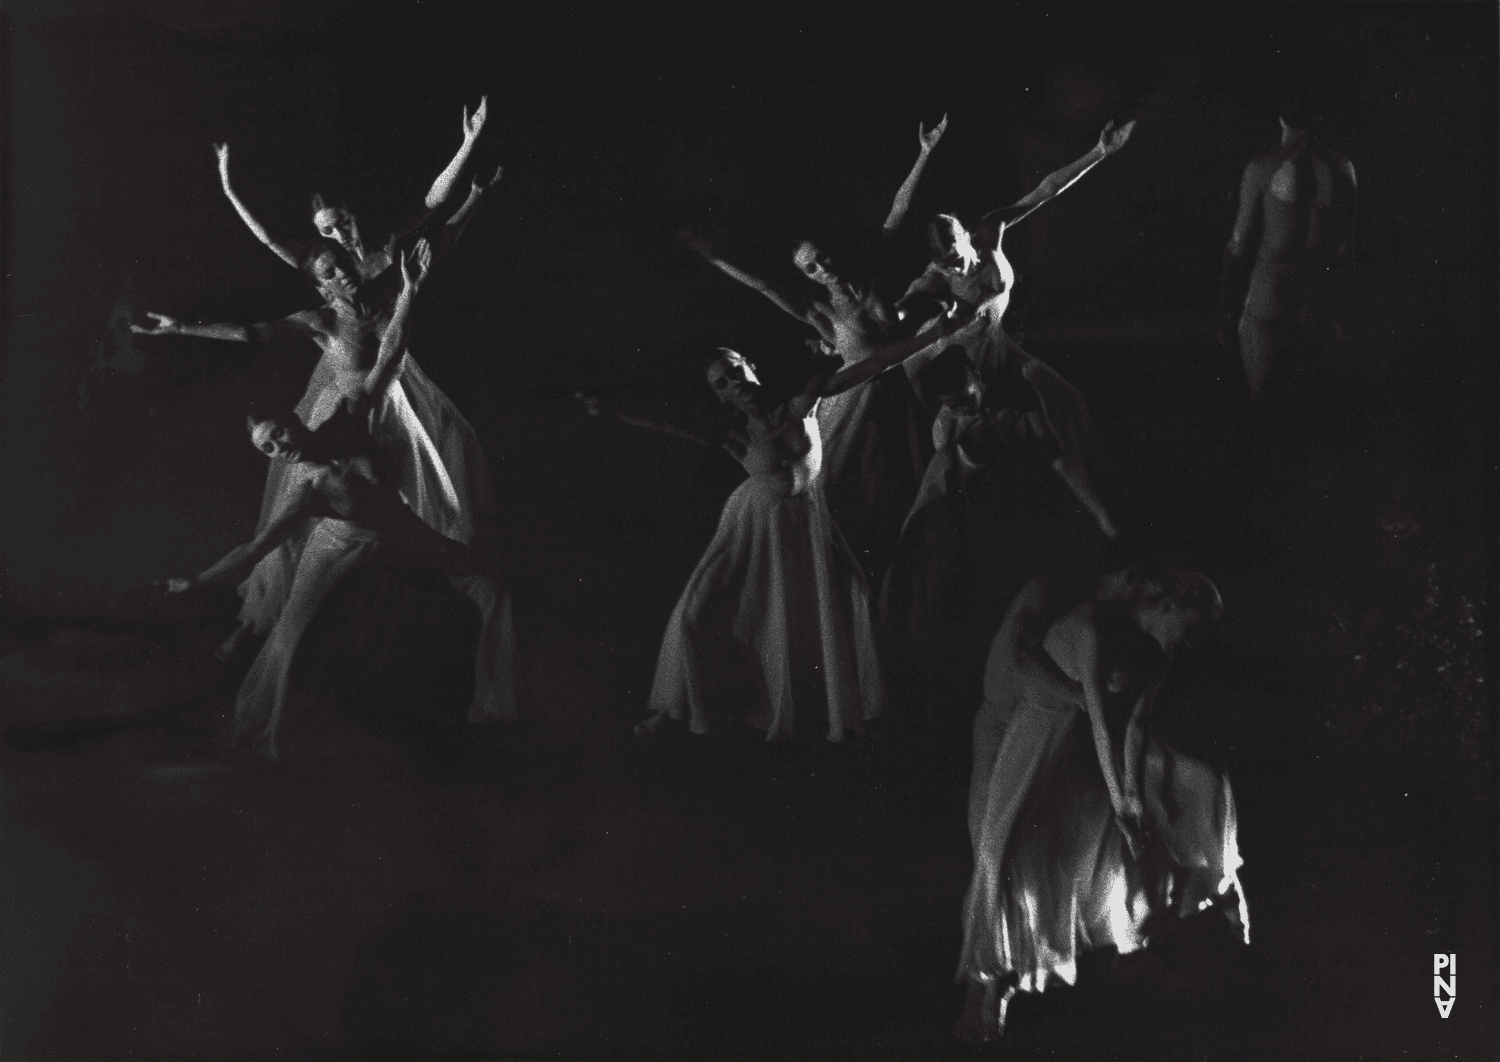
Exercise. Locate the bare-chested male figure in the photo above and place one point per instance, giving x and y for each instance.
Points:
(1284, 260)
(343, 492)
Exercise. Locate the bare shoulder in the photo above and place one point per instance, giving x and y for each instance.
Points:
(319, 322)
(1259, 170)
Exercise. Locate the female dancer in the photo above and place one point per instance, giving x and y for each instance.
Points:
(441, 470)
(970, 271)
(1082, 826)
(444, 475)
(343, 500)
(779, 561)
(875, 435)
(338, 224)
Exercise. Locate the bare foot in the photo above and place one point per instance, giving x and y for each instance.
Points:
(651, 725)
(983, 1017)
(977, 1024)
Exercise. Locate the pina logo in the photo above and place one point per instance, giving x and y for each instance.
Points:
(1444, 985)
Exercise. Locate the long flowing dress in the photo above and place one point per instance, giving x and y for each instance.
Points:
(1052, 875)
(961, 558)
(792, 588)
(875, 441)
(441, 473)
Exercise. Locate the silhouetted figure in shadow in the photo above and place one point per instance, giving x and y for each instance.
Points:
(1286, 262)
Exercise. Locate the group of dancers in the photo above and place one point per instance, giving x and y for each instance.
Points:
(882, 498)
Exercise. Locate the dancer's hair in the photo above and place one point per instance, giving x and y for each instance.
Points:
(1144, 585)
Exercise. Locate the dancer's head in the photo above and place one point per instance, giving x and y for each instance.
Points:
(951, 245)
(815, 263)
(732, 377)
(336, 223)
(277, 431)
(329, 267)
(1168, 604)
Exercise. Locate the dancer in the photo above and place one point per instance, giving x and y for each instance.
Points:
(338, 224)
(1083, 826)
(442, 470)
(1284, 259)
(795, 594)
(970, 271)
(342, 493)
(874, 435)
(1000, 502)
(971, 432)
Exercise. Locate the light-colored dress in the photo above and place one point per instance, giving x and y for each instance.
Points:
(1052, 875)
(441, 473)
(789, 581)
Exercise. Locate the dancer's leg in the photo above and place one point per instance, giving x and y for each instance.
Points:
(331, 553)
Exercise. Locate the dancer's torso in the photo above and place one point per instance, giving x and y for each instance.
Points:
(1301, 208)
(783, 447)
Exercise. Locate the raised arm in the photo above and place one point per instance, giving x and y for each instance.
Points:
(286, 251)
(447, 235)
(697, 242)
(236, 564)
(442, 187)
(1110, 141)
(908, 188)
(414, 266)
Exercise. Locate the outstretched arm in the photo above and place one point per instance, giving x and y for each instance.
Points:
(298, 324)
(286, 251)
(1110, 141)
(908, 188)
(697, 242)
(596, 408)
(882, 357)
(414, 266)
(442, 187)
(236, 564)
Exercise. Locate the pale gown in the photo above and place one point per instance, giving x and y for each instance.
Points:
(780, 565)
(1052, 875)
(440, 471)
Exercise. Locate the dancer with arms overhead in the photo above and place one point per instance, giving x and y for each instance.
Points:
(343, 500)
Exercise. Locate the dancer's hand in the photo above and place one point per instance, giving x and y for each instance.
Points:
(928, 140)
(415, 263)
(480, 184)
(161, 325)
(475, 122)
(591, 403)
(177, 586)
(1112, 139)
(222, 151)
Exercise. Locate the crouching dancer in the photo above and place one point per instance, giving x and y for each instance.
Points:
(345, 496)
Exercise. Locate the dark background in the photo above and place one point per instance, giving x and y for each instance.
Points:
(1354, 566)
